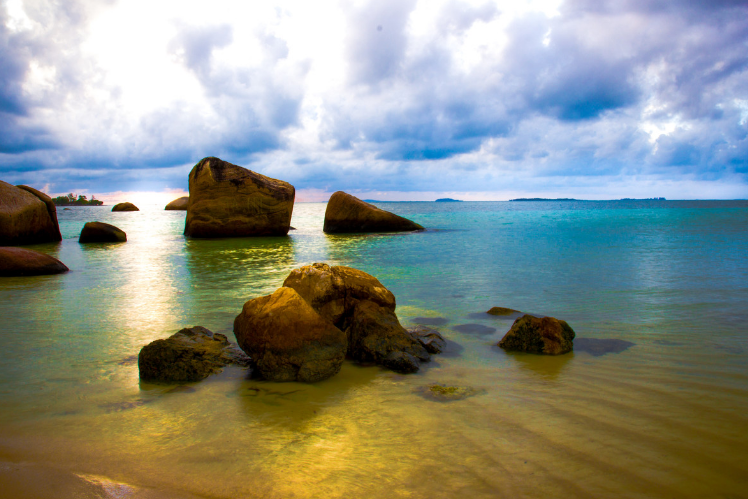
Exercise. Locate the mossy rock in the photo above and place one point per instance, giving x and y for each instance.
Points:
(502, 311)
(446, 393)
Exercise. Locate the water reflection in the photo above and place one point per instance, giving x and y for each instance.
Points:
(545, 366)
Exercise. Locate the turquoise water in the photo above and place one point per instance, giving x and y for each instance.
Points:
(666, 417)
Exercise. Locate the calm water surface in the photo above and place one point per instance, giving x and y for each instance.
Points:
(664, 417)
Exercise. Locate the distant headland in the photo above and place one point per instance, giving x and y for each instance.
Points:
(448, 200)
(71, 200)
(544, 199)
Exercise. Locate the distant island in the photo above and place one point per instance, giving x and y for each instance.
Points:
(544, 199)
(71, 200)
(448, 200)
(643, 199)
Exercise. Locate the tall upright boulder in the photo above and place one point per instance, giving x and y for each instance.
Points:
(27, 216)
(227, 200)
(346, 214)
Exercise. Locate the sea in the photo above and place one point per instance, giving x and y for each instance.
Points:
(652, 402)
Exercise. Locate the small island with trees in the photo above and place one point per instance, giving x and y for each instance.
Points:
(72, 200)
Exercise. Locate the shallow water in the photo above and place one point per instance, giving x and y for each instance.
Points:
(660, 412)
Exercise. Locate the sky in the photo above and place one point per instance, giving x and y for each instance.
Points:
(385, 99)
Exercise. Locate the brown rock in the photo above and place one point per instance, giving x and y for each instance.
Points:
(502, 311)
(100, 232)
(288, 340)
(191, 354)
(346, 213)
(334, 291)
(26, 262)
(27, 216)
(179, 204)
(431, 340)
(375, 334)
(125, 207)
(227, 200)
(544, 335)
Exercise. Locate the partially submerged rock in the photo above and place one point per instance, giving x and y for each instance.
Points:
(431, 340)
(346, 213)
(178, 204)
(502, 311)
(100, 232)
(125, 207)
(26, 262)
(288, 340)
(446, 393)
(227, 200)
(191, 354)
(543, 335)
(27, 216)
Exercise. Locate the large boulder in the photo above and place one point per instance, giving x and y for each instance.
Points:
(543, 335)
(100, 232)
(26, 262)
(334, 291)
(191, 354)
(346, 213)
(27, 216)
(125, 207)
(227, 200)
(288, 340)
(179, 204)
(375, 335)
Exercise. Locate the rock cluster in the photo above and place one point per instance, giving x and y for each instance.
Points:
(191, 354)
(26, 262)
(227, 200)
(322, 314)
(178, 204)
(27, 216)
(346, 213)
(543, 335)
(100, 232)
(125, 207)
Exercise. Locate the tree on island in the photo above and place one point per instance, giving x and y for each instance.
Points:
(81, 200)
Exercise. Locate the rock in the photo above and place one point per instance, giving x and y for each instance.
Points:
(374, 334)
(26, 262)
(191, 354)
(431, 340)
(601, 346)
(544, 335)
(444, 393)
(27, 216)
(227, 200)
(178, 204)
(125, 207)
(401, 362)
(288, 340)
(346, 213)
(334, 291)
(502, 311)
(100, 232)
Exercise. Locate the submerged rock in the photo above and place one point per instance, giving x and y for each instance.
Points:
(100, 232)
(543, 335)
(288, 340)
(346, 213)
(178, 204)
(431, 340)
(125, 207)
(601, 346)
(27, 216)
(502, 311)
(227, 200)
(446, 393)
(191, 354)
(26, 262)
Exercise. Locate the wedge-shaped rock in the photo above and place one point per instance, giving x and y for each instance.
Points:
(100, 232)
(27, 216)
(125, 207)
(227, 200)
(22, 262)
(191, 354)
(178, 204)
(544, 335)
(375, 334)
(334, 291)
(346, 213)
(431, 339)
(288, 340)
